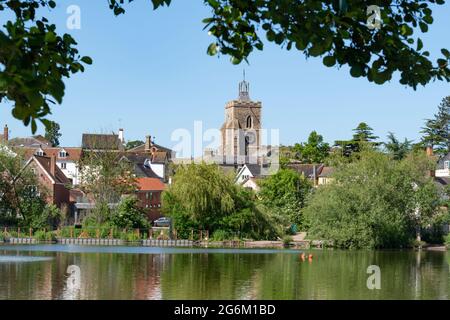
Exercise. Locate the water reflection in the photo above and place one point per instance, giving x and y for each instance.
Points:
(216, 275)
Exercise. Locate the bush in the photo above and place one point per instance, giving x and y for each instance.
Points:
(287, 239)
(44, 236)
(220, 235)
(130, 236)
(447, 240)
(129, 215)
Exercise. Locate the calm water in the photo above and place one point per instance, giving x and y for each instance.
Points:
(40, 272)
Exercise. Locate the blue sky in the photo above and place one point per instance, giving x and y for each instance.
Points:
(151, 75)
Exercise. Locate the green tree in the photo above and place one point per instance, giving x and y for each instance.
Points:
(105, 178)
(129, 215)
(35, 59)
(436, 133)
(285, 193)
(363, 138)
(52, 133)
(374, 202)
(398, 150)
(315, 150)
(21, 196)
(201, 196)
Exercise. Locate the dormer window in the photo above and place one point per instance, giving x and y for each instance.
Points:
(63, 154)
(40, 153)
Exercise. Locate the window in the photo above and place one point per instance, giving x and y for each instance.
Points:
(447, 164)
(63, 165)
(62, 154)
(40, 153)
(149, 195)
(249, 122)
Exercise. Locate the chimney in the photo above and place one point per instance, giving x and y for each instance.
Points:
(5, 133)
(53, 165)
(148, 143)
(429, 151)
(121, 137)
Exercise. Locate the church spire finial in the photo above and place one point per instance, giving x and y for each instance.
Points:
(244, 88)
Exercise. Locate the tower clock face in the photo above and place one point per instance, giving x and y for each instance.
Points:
(250, 138)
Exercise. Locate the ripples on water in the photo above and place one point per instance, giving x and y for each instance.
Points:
(21, 259)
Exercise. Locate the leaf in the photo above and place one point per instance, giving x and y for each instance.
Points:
(329, 61)
(446, 53)
(419, 44)
(212, 49)
(87, 60)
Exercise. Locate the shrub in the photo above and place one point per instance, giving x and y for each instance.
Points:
(287, 239)
(44, 236)
(447, 240)
(220, 235)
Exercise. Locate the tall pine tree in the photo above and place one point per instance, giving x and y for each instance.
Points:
(437, 130)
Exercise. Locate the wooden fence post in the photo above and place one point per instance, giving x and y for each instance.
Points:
(31, 233)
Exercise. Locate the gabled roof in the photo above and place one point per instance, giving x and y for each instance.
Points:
(150, 184)
(307, 170)
(73, 154)
(34, 141)
(101, 142)
(45, 163)
(141, 148)
(141, 167)
(326, 172)
(159, 157)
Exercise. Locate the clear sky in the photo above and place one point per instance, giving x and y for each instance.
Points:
(151, 75)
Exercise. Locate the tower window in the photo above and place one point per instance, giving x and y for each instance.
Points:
(249, 122)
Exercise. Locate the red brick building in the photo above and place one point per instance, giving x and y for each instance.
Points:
(52, 179)
(149, 195)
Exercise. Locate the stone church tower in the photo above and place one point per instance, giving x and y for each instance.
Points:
(241, 132)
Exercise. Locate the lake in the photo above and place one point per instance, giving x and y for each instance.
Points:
(84, 272)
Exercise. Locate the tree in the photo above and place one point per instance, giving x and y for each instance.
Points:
(52, 133)
(105, 178)
(398, 150)
(202, 197)
(133, 144)
(363, 138)
(285, 192)
(35, 59)
(129, 215)
(21, 196)
(315, 150)
(374, 202)
(437, 130)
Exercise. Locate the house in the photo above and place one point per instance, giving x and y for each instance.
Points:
(309, 171)
(325, 176)
(149, 196)
(51, 178)
(156, 157)
(32, 142)
(67, 159)
(103, 142)
(248, 176)
(443, 167)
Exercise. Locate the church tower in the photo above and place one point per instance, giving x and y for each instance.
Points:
(241, 132)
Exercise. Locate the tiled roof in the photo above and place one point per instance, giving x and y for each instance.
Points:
(59, 176)
(159, 157)
(34, 141)
(101, 142)
(150, 184)
(326, 172)
(140, 168)
(73, 154)
(307, 170)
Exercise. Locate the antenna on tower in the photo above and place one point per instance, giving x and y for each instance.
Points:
(244, 88)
